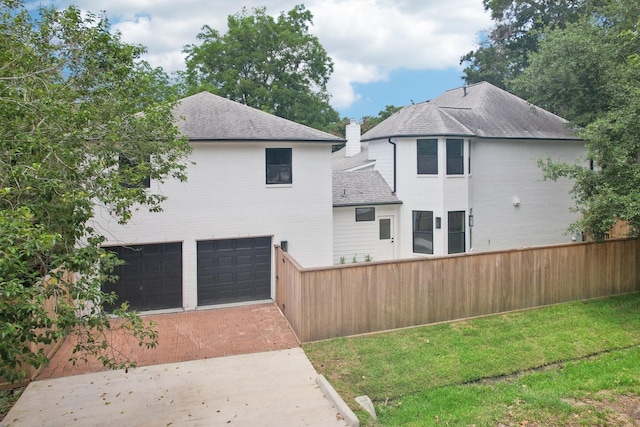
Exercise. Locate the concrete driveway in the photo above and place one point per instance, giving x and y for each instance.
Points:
(211, 368)
(276, 388)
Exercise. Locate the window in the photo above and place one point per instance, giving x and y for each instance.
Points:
(456, 232)
(423, 232)
(385, 229)
(428, 156)
(278, 162)
(455, 157)
(365, 214)
(130, 173)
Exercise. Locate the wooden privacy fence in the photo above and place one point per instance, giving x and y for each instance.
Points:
(49, 349)
(353, 299)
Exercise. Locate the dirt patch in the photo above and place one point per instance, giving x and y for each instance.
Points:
(619, 410)
(603, 409)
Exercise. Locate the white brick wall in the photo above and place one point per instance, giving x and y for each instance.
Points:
(500, 171)
(226, 197)
(503, 170)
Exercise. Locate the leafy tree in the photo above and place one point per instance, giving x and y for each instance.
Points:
(69, 91)
(590, 72)
(271, 64)
(518, 27)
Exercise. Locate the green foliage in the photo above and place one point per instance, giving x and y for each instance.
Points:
(274, 65)
(590, 73)
(69, 94)
(577, 59)
(518, 25)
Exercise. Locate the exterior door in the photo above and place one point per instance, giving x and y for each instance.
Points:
(385, 247)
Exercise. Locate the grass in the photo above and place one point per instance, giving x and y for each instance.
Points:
(527, 366)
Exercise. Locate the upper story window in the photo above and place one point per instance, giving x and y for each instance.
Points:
(130, 173)
(427, 156)
(455, 157)
(278, 165)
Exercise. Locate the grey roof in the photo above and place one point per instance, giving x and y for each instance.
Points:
(340, 161)
(210, 117)
(359, 188)
(479, 110)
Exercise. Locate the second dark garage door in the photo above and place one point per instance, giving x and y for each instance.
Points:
(234, 270)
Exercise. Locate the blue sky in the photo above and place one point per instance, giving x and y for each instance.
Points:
(402, 88)
(385, 52)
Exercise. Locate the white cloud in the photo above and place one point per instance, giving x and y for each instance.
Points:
(367, 39)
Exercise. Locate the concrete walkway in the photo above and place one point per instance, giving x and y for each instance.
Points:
(276, 388)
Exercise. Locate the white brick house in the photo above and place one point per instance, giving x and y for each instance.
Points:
(462, 172)
(256, 180)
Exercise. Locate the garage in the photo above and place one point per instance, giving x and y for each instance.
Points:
(234, 270)
(150, 278)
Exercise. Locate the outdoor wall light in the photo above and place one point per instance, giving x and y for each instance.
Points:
(470, 220)
(284, 245)
(438, 222)
(516, 201)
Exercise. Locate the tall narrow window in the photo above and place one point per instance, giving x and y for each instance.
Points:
(456, 232)
(455, 157)
(427, 156)
(278, 162)
(423, 232)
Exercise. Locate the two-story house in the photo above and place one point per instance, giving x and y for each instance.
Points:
(254, 180)
(462, 169)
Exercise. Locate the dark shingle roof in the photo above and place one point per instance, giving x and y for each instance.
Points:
(341, 162)
(480, 110)
(358, 188)
(210, 117)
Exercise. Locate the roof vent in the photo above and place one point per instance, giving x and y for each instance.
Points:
(464, 89)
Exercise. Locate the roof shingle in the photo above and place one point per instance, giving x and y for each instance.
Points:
(210, 117)
(480, 110)
(364, 187)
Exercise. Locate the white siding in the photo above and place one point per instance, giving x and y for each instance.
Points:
(358, 238)
(226, 197)
(504, 170)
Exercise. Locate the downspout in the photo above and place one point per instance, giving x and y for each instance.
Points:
(394, 165)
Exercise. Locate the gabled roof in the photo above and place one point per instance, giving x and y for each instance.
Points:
(359, 188)
(209, 117)
(480, 110)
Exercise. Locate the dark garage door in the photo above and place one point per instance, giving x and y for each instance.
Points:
(151, 277)
(234, 270)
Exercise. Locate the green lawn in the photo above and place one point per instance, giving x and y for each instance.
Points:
(546, 366)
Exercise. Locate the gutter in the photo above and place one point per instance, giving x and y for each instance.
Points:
(394, 166)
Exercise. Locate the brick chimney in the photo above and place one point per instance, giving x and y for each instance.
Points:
(353, 138)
